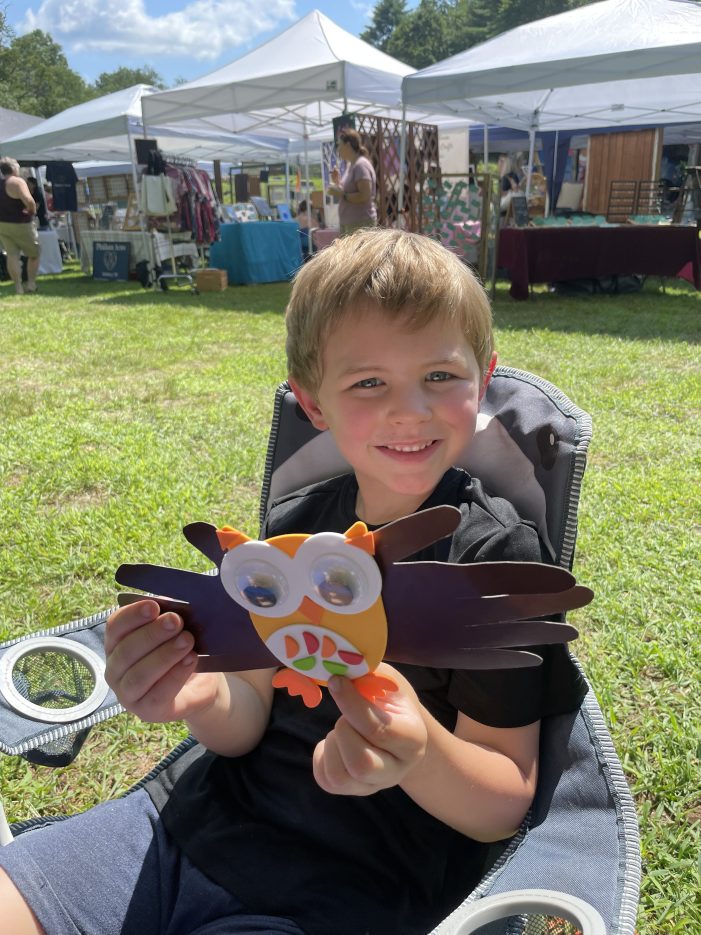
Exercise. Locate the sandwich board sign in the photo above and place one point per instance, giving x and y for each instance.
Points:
(110, 260)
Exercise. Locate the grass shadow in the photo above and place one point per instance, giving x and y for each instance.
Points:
(673, 315)
(73, 284)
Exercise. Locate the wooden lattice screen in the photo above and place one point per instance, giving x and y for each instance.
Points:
(382, 137)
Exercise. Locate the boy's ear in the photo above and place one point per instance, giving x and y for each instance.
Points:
(488, 375)
(310, 404)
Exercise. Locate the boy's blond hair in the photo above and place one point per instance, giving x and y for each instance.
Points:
(403, 274)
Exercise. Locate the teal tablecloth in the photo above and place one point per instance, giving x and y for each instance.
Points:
(257, 251)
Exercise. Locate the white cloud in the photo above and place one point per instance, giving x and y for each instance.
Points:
(366, 9)
(204, 29)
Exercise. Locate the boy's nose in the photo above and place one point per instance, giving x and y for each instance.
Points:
(409, 406)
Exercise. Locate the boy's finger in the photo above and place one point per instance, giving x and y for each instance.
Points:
(363, 715)
(327, 765)
(139, 643)
(362, 761)
(133, 683)
(127, 619)
(161, 702)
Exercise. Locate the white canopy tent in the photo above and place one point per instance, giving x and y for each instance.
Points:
(292, 85)
(14, 121)
(104, 129)
(613, 63)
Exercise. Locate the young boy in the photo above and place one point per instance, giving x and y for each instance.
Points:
(353, 817)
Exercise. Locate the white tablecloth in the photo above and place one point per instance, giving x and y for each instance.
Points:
(50, 260)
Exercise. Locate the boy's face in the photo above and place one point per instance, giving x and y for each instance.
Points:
(401, 405)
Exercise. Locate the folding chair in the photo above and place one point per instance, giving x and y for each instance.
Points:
(574, 865)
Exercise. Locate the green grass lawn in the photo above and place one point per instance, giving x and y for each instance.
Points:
(126, 414)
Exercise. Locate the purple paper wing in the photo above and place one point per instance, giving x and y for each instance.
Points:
(410, 534)
(220, 626)
(440, 613)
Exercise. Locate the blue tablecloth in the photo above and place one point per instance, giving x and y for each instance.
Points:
(257, 251)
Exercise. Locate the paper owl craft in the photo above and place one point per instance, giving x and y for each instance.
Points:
(338, 604)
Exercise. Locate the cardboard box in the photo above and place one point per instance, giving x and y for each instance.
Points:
(211, 280)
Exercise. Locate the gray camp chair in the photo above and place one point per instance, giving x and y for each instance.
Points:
(574, 865)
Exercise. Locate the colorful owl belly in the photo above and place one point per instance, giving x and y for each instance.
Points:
(316, 652)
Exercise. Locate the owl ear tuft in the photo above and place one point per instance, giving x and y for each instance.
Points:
(359, 536)
(229, 538)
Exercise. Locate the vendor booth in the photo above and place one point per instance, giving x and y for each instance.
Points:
(596, 66)
(106, 207)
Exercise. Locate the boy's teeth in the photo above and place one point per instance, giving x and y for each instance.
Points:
(409, 447)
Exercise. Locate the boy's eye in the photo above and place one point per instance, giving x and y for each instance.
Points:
(438, 376)
(367, 384)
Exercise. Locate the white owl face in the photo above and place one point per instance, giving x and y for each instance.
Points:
(326, 568)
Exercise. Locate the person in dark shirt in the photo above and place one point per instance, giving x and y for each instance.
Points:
(354, 817)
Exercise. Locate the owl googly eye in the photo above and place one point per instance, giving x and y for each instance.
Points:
(339, 576)
(261, 579)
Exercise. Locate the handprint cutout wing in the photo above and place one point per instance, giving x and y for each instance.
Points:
(338, 604)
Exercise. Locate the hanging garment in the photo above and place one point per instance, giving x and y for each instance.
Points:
(63, 181)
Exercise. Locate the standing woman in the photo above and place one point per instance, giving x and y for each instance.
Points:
(357, 188)
(18, 234)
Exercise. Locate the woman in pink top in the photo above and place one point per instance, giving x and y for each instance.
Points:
(357, 188)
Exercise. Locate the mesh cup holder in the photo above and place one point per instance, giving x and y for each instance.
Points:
(56, 681)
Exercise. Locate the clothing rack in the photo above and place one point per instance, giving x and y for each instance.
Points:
(175, 276)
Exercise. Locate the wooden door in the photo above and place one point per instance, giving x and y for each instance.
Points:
(633, 155)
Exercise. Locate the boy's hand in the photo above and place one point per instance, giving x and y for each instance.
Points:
(150, 665)
(373, 745)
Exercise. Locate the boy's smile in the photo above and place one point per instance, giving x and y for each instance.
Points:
(401, 405)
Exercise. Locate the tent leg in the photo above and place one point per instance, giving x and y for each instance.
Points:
(402, 173)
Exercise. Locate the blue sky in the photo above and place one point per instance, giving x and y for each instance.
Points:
(178, 38)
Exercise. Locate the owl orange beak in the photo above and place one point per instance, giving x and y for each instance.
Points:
(311, 610)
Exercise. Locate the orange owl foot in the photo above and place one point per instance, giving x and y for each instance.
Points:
(372, 686)
(298, 684)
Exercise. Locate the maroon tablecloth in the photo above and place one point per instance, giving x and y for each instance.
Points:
(553, 254)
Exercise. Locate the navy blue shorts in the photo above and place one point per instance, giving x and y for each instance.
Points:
(114, 871)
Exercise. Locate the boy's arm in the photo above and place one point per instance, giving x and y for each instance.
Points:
(237, 720)
(479, 780)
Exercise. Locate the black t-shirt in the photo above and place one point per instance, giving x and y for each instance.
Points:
(377, 865)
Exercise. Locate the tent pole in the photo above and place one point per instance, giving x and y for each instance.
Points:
(148, 243)
(552, 177)
(306, 164)
(531, 152)
(485, 146)
(402, 161)
(323, 180)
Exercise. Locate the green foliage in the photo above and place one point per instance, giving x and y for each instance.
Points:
(6, 33)
(421, 37)
(127, 413)
(386, 16)
(110, 81)
(36, 74)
